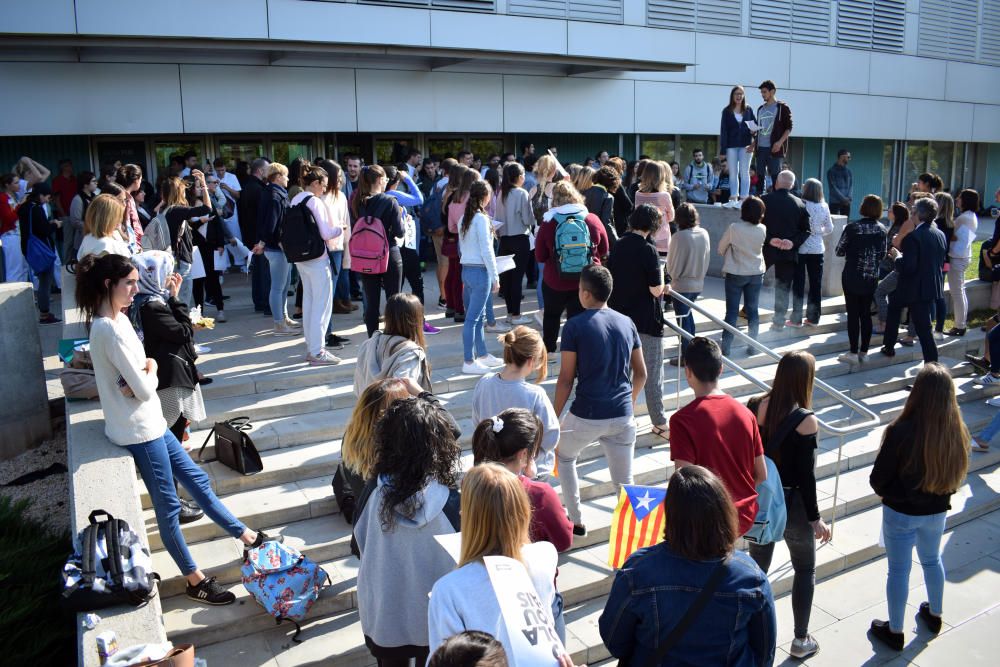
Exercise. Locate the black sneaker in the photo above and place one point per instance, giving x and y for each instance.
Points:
(932, 622)
(332, 344)
(340, 339)
(210, 592)
(459, 317)
(442, 303)
(880, 630)
(190, 511)
(579, 529)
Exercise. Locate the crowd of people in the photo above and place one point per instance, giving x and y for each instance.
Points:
(606, 245)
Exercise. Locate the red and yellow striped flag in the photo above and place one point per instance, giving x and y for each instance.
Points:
(636, 523)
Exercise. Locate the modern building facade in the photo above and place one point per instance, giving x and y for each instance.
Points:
(906, 85)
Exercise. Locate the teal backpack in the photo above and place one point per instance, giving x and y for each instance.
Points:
(573, 246)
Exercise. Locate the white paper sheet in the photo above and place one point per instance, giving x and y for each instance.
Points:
(505, 263)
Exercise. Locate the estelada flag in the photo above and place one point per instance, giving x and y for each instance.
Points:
(636, 523)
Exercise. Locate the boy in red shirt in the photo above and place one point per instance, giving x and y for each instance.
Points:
(718, 432)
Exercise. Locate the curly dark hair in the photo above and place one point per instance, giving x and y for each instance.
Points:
(415, 446)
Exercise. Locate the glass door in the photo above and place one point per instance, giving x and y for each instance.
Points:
(164, 149)
(125, 151)
(240, 150)
(287, 150)
(392, 150)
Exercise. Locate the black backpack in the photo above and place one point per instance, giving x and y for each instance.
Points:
(299, 235)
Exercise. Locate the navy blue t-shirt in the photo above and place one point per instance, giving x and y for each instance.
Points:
(603, 340)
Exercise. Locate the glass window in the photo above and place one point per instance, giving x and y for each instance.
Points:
(343, 145)
(483, 147)
(392, 151)
(286, 150)
(915, 163)
(236, 150)
(165, 149)
(445, 146)
(657, 147)
(887, 162)
(941, 160)
(688, 142)
(126, 152)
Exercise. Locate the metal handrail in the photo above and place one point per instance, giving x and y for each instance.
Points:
(872, 420)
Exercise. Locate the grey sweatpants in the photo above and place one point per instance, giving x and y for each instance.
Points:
(617, 437)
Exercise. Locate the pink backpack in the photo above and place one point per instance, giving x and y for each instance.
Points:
(369, 246)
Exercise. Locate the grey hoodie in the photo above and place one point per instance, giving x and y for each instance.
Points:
(399, 567)
(383, 356)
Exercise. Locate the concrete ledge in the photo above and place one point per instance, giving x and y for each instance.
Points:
(24, 405)
(102, 476)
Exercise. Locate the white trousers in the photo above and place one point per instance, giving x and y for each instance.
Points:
(317, 301)
(15, 264)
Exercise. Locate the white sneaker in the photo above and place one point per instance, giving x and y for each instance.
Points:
(538, 317)
(989, 378)
(202, 349)
(732, 203)
(848, 357)
(490, 361)
(324, 358)
(295, 324)
(220, 316)
(520, 319)
(475, 368)
(803, 648)
(497, 327)
(938, 335)
(282, 329)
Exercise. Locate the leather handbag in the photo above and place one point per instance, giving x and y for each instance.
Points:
(233, 446)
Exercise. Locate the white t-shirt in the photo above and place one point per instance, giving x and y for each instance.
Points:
(465, 600)
(233, 182)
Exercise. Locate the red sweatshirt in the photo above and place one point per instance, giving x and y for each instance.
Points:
(548, 518)
(8, 214)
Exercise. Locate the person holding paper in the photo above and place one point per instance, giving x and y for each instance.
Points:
(496, 516)
(735, 136)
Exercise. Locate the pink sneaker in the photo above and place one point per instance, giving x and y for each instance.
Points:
(429, 330)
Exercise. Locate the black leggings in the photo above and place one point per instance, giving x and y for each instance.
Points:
(412, 272)
(391, 282)
(556, 301)
(209, 285)
(859, 320)
(510, 281)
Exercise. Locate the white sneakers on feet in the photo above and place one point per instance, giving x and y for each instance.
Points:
(282, 329)
(220, 316)
(848, 358)
(732, 203)
(295, 324)
(490, 361)
(497, 327)
(520, 319)
(202, 349)
(475, 368)
(803, 648)
(324, 358)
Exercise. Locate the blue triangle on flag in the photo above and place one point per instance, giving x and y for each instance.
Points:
(644, 499)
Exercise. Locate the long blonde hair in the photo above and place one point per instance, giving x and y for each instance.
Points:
(175, 192)
(357, 447)
(563, 193)
(104, 216)
(496, 514)
(654, 177)
(545, 171)
(940, 449)
(584, 178)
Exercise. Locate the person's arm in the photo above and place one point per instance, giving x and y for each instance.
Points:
(722, 133)
(76, 213)
(826, 226)
(394, 220)
(443, 619)
(618, 622)
(142, 381)
(759, 470)
(654, 275)
(412, 198)
(170, 322)
(327, 230)
(607, 210)
(845, 240)
(543, 243)
(682, 448)
(33, 172)
(484, 238)
(762, 629)
(233, 192)
(804, 466)
(724, 242)
(638, 372)
(564, 385)
(886, 465)
(784, 135)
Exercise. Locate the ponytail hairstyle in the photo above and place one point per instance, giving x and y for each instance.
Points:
(392, 176)
(357, 447)
(512, 171)
(523, 344)
(296, 170)
(312, 174)
(503, 437)
(368, 182)
(479, 198)
(92, 271)
(464, 187)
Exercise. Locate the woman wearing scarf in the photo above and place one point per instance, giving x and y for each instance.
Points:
(162, 323)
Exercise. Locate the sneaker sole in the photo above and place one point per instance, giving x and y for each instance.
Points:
(803, 656)
(209, 602)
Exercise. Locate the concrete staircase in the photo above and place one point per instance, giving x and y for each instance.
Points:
(300, 413)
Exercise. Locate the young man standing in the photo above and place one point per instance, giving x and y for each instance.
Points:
(527, 150)
(841, 182)
(774, 119)
(600, 347)
(698, 178)
(260, 272)
(787, 222)
(465, 157)
(413, 160)
(231, 189)
(718, 432)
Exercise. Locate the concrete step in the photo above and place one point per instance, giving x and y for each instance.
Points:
(584, 578)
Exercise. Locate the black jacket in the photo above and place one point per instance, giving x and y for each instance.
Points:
(733, 134)
(622, 211)
(270, 213)
(786, 218)
(168, 338)
(601, 203)
(247, 205)
(33, 214)
(919, 267)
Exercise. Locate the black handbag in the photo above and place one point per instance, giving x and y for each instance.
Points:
(233, 446)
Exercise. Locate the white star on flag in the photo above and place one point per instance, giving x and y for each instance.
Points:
(644, 502)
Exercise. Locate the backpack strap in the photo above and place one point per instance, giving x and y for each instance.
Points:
(788, 424)
(451, 509)
(359, 506)
(690, 615)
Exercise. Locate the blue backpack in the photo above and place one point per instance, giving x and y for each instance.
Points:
(573, 247)
(430, 212)
(772, 515)
(283, 581)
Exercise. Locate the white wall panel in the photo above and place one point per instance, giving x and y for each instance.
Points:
(678, 107)
(726, 59)
(966, 82)
(986, 123)
(906, 76)
(635, 12)
(39, 16)
(828, 68)
(230, 19)
(104, 99)
(941, 121)
(618, 41)
(272, 99)
(348, 23)
(561, 104)
(465, 30)
(429, 102)
(810, 111)
(867, 117)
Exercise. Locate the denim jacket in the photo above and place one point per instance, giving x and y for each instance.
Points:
(654, 589)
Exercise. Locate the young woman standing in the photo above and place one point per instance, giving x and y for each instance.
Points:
(516, 218)
(785, 412)
(960, 254)
(86, 187)
(34, 221)
(340, 261)
(864, 243)
(811, 256)
(479, 278)
(180, 217)
(270, 213)
(743, 265)
(922, 462)
(687, 265)
(126, 383)
(654, 188)
(735, 139)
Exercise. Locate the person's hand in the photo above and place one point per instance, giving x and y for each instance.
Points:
(821, 531)
(775, 243)
(893, 252)
(412, 386)
(787, 244)
(666, 290)
(496, 287)
(198, 175)
(565, 660)
(150, 367)
(127, 391)
(219, 251)
(174, 284)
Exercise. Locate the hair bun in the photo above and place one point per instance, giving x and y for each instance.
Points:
(508, 338)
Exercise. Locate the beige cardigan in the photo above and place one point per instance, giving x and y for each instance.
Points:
(743, 248)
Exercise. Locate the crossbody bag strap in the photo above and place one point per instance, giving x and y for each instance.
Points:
(788, 424)
(690, 615)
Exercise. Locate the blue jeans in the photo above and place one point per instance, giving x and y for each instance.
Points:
(988, 433)
(159, 462)
(342, 281)
(185, 294)
(281, 280)
(685, 319)
(901, 532)
(475, 295)
(747, 287)
(538, 287)
(260, 282)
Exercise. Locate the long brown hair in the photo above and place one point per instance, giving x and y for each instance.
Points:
(367, 180)
(732, 101)
(479, 196)
(357, 448)
(700, 516)
(792, 386)
(496, 514)
(404, 316)
(654, 177)
(940, 449)
(455, 174)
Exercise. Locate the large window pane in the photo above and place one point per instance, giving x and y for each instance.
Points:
(657, 147)
(483, 147)
(392, 150)
(286, 150)
(350, 144)
(915, 163)
(942, 159)
(165, 149)
(887, 171)
(689, 142)
(240, 150)
(125, 151)
(445, 146)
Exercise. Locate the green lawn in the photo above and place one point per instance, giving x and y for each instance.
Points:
(972, 270)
